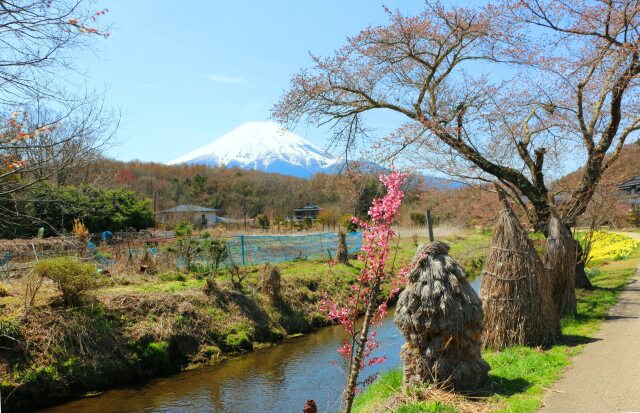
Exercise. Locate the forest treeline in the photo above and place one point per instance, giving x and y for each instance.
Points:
(116, 195)
(238, 193)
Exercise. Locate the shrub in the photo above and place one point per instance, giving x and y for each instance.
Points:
(80, 230)
(418, 219)
(237, 277)
(185, 246)
(72, 277)
(263, 221)
(238, 341)
(167, 277)
(184, 229)
(216, 251)
(308, 222)
(348, 224)
(10, 331)
(212, 352)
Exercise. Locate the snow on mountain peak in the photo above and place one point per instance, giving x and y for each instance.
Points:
(264, 146)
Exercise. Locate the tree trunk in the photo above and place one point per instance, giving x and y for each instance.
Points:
(582, 281)
(541, 224)
(350, 390)
(342, 255)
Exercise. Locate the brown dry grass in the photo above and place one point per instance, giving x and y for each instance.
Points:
(462, 403)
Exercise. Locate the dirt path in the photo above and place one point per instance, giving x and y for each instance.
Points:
(606, 376)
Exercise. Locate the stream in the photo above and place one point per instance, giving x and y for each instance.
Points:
(275, 379)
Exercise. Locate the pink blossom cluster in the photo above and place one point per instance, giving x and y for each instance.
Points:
(14, 133)
(377, 235)
(82, 28)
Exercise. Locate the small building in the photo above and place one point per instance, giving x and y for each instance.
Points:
(307, 211)
(632, 188)
(198, 215)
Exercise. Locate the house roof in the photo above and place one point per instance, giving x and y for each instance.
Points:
(189, 208)
(630, 184)
(308, 207)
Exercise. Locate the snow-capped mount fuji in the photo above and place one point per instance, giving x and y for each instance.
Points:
(263, 146)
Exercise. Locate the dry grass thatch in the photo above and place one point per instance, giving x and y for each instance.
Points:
(80, 230)
(560, 263)
(462, 403)
(440, 316)
(35, 247)
(270, 281)
(515, 289)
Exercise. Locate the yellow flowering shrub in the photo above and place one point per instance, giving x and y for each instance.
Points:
(608, 246)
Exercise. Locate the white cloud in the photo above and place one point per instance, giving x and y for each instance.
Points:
(224, 79)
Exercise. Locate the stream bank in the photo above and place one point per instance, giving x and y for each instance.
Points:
(125, 335)
(136, 329)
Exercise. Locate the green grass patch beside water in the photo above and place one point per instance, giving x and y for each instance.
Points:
(520, 375)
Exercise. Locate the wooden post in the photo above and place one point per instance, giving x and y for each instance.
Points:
(430, 225)
(242, 248)
(155, 211)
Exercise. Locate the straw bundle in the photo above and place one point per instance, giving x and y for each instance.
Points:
(270, 281)
(440, 316)
(515, 290)
(560, 263)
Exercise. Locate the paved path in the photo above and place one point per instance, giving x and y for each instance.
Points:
(605, 377)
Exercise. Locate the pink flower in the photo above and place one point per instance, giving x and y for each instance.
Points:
(377, 235)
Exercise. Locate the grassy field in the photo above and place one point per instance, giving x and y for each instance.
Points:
(519, 375)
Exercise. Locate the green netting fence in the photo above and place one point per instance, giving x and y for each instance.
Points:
(260, 249)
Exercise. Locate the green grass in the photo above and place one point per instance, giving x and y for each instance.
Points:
(520, 375)
(170, 286)
(388, 385)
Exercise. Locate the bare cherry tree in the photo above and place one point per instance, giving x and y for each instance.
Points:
(40, 40)
(48, 125)
(514, 92)
(61, 154)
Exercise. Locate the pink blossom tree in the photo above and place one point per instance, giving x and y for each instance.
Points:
(366, 295)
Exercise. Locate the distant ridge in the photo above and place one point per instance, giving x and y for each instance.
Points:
(269, 147)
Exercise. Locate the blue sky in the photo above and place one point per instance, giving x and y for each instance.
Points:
(186, 74)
